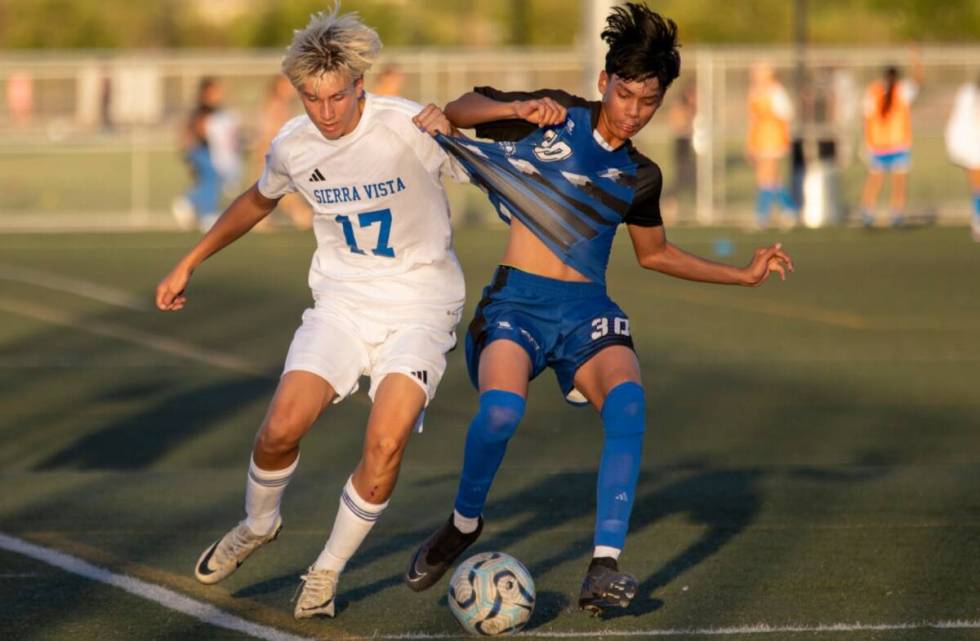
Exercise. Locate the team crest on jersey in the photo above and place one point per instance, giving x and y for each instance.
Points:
(551, 148)
(508, 147)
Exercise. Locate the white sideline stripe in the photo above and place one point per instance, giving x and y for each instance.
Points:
(83, 288)
(145, 339)
(760, 628)
(167, 598)
(213, 616)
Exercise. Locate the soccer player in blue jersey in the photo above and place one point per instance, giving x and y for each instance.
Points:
(562, 170)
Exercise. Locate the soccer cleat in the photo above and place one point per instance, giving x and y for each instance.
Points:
(437, 553)
(316, 594)
(225, 555)
(605, 586)
(183, 212)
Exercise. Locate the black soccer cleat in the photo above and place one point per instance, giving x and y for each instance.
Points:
(605, 587)
(437, 553)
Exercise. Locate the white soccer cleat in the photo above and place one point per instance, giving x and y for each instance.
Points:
(316, 594)
(183, 212)
(225, 555)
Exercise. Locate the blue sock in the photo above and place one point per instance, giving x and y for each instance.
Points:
(763, 202)
(623, 419)
(786, 200)
(976, 206)
(486, 442)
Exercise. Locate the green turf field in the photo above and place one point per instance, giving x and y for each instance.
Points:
(812, 453)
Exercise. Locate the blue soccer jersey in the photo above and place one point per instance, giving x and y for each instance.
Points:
(567, 187)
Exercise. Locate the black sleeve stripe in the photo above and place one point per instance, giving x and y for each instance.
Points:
(644, 211)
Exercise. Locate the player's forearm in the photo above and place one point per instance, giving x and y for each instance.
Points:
(473, 109)
(240, 216)
(678, 263)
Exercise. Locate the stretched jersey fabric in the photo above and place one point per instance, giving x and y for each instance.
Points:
(381, 217)
(563, 183)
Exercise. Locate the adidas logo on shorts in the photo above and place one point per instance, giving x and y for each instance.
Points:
(316, 176)
(422, 375)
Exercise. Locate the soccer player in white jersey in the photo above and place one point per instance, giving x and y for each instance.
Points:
(387, 286)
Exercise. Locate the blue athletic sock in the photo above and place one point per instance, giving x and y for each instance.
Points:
(976, 205)
(623, 419)
(763, 203)
(786, 201)
(486, 442)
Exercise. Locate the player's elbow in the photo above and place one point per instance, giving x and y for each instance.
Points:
(453, 112)
(456, 111)
(655, 260)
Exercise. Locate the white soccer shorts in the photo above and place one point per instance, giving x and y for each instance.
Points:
(340, 341)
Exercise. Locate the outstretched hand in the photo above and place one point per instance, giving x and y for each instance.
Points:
(170, 291)
(765, 261)
(432, 121)
(542, 112)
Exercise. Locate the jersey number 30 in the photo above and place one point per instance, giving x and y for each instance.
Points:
(367, 219)
(600, 327)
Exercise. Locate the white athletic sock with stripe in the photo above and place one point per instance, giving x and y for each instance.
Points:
(355, 518)
(263, 494)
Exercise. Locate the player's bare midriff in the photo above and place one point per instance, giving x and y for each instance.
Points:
(527, 253)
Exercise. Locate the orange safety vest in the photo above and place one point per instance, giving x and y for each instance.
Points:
(768, 132)
(893, 131)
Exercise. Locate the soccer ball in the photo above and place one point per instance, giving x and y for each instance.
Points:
(491, 593)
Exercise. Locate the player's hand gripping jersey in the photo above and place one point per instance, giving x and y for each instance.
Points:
(563, 182)
(380, 213)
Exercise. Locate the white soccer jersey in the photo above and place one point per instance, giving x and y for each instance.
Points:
(380, 212)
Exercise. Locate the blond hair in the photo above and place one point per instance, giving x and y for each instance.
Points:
(331, 43)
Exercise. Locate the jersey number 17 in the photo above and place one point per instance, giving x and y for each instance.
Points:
(367, 219)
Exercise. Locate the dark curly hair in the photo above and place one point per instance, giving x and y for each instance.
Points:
(642, 44)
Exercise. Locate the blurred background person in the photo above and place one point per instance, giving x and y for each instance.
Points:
(389, 81)
(770, 112)
(20, 97)
(963, 142)
(278, 106)
(680, 120)
(888, 135)
(210, 142)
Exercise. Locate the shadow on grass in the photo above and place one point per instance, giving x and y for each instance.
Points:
(139, 440)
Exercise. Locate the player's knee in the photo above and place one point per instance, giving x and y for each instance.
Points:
(624, 410)
(282, 431)
(383, 454)
(499, 415)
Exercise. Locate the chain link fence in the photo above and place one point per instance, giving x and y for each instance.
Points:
(90, 140)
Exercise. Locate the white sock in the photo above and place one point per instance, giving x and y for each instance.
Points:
(263, 493)
(355, 518)
(465, 524)
(605, 550)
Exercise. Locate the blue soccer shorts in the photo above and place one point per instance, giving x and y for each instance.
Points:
(892, 162)
(559, 324)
